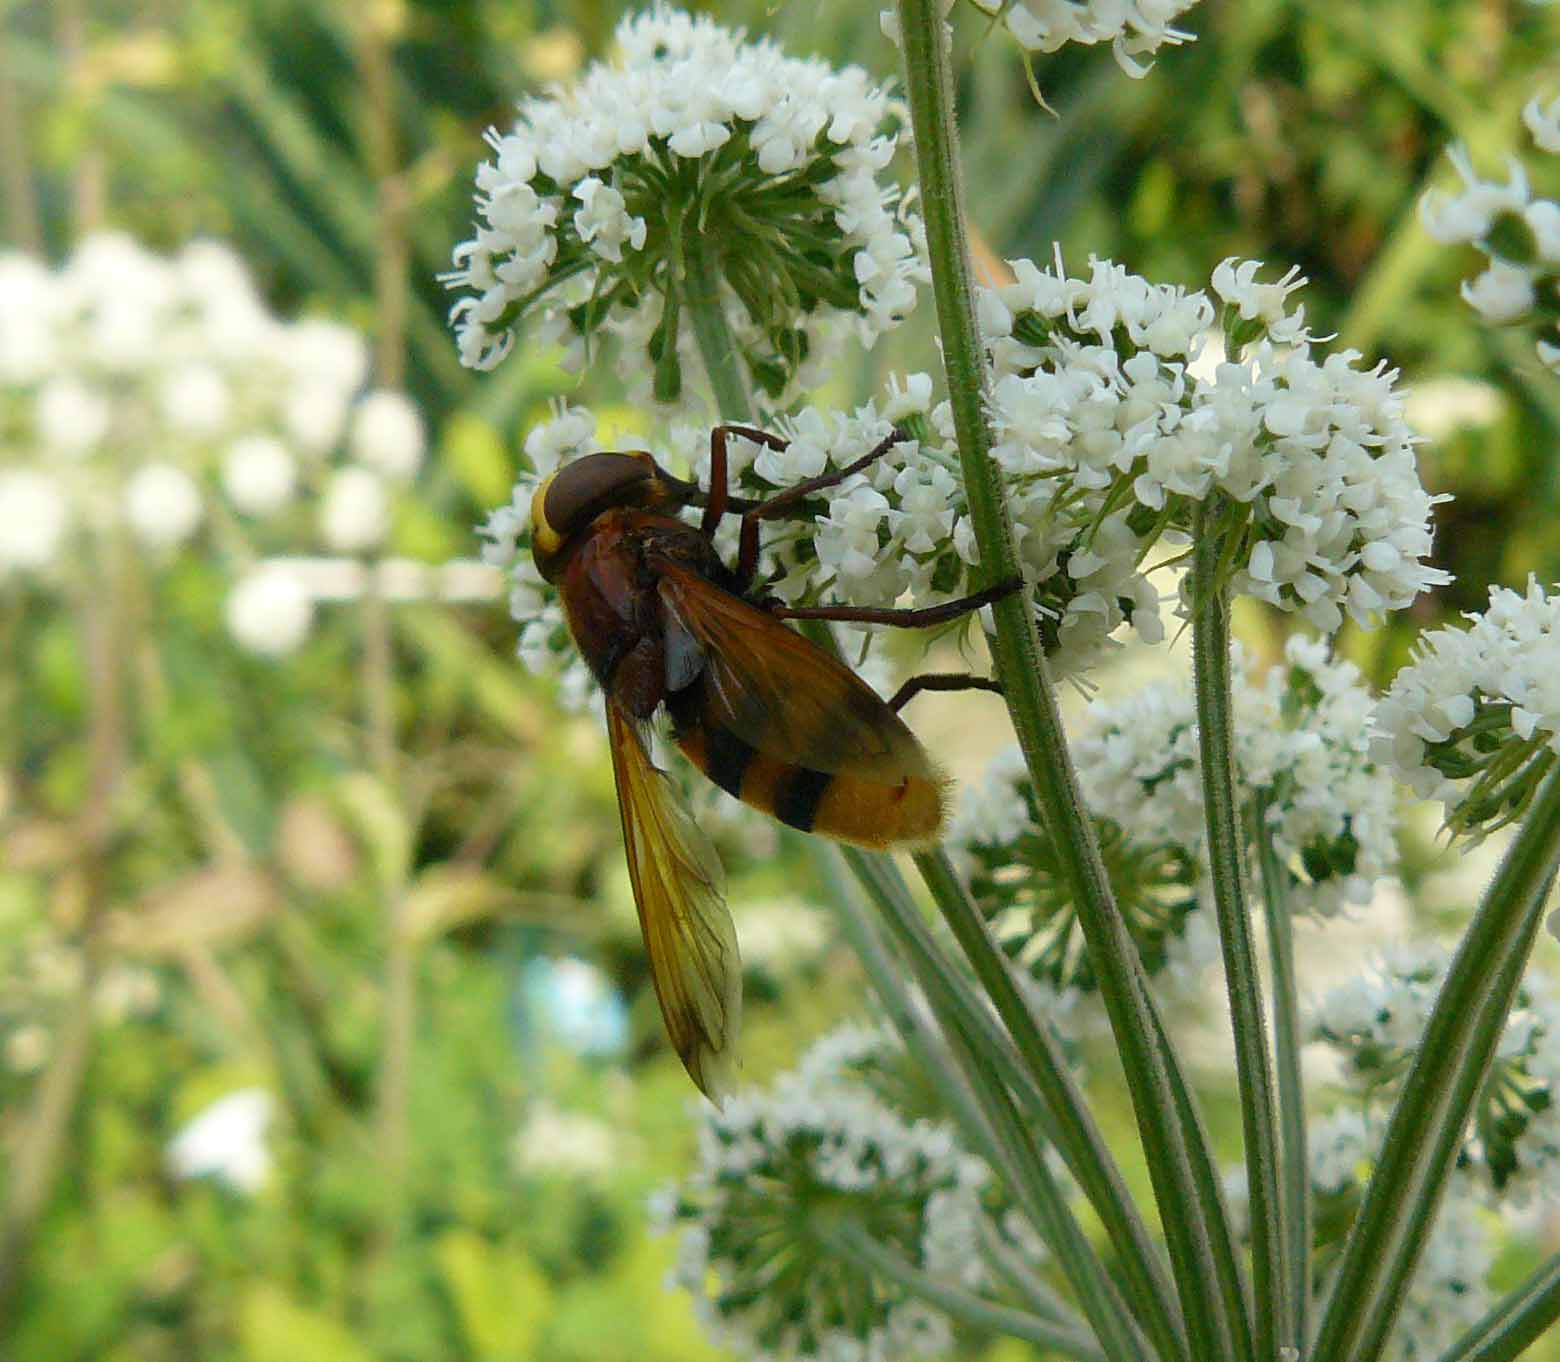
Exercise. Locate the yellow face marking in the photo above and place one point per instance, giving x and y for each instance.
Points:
(543, 536)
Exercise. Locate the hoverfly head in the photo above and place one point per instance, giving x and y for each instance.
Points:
(570, 498)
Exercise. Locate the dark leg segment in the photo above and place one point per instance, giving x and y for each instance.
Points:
(747, 552)
(940, 681)
(902, 619)
(720, 498)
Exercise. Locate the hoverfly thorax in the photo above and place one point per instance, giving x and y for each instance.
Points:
(568, 500)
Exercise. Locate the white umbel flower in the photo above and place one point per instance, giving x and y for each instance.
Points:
(259, 474)
(162, 505)
(270, 611)
(1309, 459)
(356, 513)
(1474, 719)
(702, 145)
(1374, 1023)
(387, 434)
(777, 1169)
(34, 516)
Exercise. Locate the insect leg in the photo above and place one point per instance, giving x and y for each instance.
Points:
(747, 553)
(902, 619)
(720, 500)
(940, 681)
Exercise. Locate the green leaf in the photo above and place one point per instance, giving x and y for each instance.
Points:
(274, 1328)
(499, 1294)
(450, 896)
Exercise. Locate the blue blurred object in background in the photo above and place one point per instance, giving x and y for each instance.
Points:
(565, 1001)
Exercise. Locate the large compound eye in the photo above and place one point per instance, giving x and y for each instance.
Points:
(581, 490)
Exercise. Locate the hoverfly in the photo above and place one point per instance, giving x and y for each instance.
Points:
(767, 715)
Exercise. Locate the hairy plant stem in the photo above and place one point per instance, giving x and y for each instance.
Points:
(1000, 1137)
(1195, 1229)
(1078, 1140)
(1271, 1281)
(717, 345)
(1295, 1166)
(1426, 1129)
(852, 1243)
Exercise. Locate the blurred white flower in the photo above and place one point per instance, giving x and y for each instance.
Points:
(1543, 123)
(552, 1140)
(387, 434)
(195, 399)
(71, 417)
(260, 474)
(226, 1141)
(356, 514)
(34, 515)
(270, 611)
(162, 505)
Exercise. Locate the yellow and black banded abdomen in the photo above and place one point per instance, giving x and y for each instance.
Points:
(865, 810)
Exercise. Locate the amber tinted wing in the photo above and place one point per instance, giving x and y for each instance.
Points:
(784, 696)
(679, 888)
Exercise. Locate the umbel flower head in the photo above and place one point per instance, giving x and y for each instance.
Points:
(160, 396)
(1303, 767)
(1374, 1024)
(1307, 460)
(705, 180)
(778, 1172)
(1474, 719)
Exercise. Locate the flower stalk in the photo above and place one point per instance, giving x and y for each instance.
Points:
(1270, 1246)
(1427, 1125)
(1212, 1326)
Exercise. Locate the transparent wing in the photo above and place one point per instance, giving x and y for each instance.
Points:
(679, 887)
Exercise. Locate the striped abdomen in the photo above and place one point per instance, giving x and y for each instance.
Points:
(863, 808)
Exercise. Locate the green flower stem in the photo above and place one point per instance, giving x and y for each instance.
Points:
(1017, 1157)
(1271, 1281)
(1427, 1124)
(1213, 1329)
(1077, 1138)
(851, 1241)
(1515, 1322)
(1009, 1263)
(1295, 1181)
(909, 1020)
(717, 345)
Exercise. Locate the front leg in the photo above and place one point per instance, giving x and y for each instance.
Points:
(747, 549)
(720, 499)
(921, 618)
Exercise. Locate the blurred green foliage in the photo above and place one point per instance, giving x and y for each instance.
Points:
(294, 898)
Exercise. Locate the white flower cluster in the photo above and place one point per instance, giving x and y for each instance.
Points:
(776, 1170)
(1474, 718)
(1374, 1024)
(1517, 233)
(1097, 403)
(1135, 29)
(1302, 758)
(1449, 1291)
(161, 395)
(1302, 753)
(595, 206)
